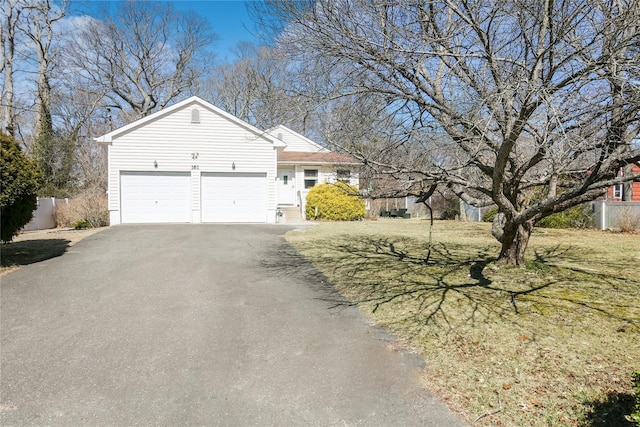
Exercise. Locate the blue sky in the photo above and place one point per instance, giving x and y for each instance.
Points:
(229, 19)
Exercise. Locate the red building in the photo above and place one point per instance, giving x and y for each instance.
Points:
(615, 193)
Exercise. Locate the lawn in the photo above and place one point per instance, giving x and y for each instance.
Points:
(554, 343)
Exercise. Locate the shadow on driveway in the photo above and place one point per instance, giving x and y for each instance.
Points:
(27, 252)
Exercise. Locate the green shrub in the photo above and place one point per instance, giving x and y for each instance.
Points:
(635, 381)
(576, 217)
(80, 224)
(490, 214)
(20, 182)
(337, 202)
(450, 213)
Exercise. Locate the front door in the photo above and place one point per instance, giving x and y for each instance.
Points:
(286, 187)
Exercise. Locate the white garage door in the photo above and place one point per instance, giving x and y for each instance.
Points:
(234, 197)
(154, 197)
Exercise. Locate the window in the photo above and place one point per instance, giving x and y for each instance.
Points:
(195, 116)
(344, 175)
(310, 177)
(617, 191)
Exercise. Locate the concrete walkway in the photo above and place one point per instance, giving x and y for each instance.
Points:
(198, 325)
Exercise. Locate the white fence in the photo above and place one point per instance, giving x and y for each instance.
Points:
(608, 215)
(44, 217)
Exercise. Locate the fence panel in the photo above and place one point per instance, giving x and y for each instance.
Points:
(610, 215)
(44, 217)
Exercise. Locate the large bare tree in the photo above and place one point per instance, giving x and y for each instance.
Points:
(38, 23)
(258, 88)
(533, 105)
(10, 12)
(143, 56)
(41, 17)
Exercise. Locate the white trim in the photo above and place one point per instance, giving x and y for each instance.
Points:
(619, 190)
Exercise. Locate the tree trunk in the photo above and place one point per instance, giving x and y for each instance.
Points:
(44, 123)
(8, 49)
(514, 243)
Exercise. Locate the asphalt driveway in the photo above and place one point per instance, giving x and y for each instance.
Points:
(196, 324)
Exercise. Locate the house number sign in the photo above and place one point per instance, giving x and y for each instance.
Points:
(194, 156)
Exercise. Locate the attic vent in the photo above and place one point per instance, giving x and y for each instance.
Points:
(280, 136)
(195, 116)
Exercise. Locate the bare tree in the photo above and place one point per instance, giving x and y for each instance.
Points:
(80, 118)
(532, 105)
(40, 19)
(8, 26)
(142, 57)
(258, 88)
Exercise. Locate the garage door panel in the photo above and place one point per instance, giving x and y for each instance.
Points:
(234, 197)
(148, 197)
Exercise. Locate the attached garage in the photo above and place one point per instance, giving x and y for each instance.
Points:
(234, 197)
(155, 197)
(191, 163)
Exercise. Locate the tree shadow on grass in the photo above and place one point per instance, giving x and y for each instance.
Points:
(461, 285)
(610, 411)
(458, 284)
(26, 252)
(285, 260)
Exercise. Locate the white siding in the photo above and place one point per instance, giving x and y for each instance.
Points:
(295, 141)
(175, 144)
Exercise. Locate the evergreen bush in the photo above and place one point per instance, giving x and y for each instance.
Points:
(576, 217)
(20, 183)
(490, 214)
(337, 202)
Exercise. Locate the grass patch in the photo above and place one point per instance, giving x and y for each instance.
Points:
(553, 343)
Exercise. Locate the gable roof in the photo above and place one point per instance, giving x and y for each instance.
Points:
(283, 133)
(108, 138)
(316, 158)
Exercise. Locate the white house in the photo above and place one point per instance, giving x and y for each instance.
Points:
(192, 163)
(304, 163)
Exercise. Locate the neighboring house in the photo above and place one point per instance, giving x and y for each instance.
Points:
(303, 164)
(194, 163)
(616, 192)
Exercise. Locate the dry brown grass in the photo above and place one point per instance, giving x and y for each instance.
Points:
(90, 205)
(629, 220)
(551, 344)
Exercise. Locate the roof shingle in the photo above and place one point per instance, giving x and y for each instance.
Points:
(303, 157)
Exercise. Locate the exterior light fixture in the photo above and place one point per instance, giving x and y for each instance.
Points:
(155, 164)
(233, 166)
